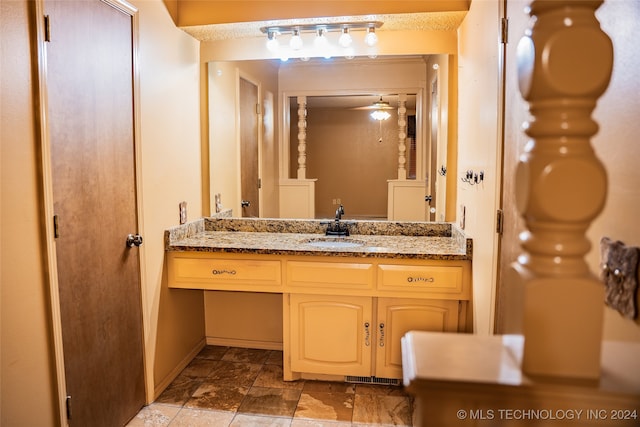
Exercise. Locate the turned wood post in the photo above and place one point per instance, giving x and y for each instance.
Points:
(402, 136)
(564, 66)
(302, 137)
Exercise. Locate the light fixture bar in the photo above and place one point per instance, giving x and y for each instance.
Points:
(285, 29)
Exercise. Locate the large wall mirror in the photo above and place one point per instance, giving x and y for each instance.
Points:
(349, 157)
(352, 149)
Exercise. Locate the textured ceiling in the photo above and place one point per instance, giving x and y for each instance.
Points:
(429, 21)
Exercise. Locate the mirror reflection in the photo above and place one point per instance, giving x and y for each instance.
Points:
(352, 150)
(378, 169)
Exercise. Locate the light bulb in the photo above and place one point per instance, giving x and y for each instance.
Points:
(371, 39)
(345, 39)
(321, 40)
(272, 42)
(296, 40)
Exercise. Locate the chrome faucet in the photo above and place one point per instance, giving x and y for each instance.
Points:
(337, 228)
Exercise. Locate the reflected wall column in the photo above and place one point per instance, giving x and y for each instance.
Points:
(302, 137)
(402, 136)
(564, 66)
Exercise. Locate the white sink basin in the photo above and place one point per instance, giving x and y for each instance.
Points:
(339, 243)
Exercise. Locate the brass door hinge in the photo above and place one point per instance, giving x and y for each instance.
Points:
(56, 227)
(68, 403)
(500, 221)
(47, 29)
(504, 30)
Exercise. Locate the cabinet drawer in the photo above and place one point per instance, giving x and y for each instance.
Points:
(224, 274)
(429, 280)
(323, 276)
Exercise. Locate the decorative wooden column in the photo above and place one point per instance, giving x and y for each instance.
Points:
(402, 136)
(564, 66)
(302, 137)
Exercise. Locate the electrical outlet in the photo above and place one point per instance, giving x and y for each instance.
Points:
(183, 212)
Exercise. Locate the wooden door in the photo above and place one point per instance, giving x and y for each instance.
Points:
(250, 175)
(331, 334)
(91, 121)
(397, 316)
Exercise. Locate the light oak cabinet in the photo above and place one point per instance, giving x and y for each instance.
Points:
(341, 316)
(331, 334)
(397, 316)
(223, 272)
(349, 336)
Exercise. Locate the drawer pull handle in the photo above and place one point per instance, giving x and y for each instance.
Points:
(420, 279)
(381, 334)
(366, 334)
(216, 272)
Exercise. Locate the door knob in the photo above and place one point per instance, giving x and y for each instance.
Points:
(134, 240)
(245, 203)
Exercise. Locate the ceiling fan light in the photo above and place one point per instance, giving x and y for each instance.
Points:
(380, 115)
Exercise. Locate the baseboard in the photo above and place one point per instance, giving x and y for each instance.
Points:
(162, 385)
(232, 342)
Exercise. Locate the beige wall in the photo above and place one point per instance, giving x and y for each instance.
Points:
(349, 162)
(27, 374)
(170, 146)
(478, 149)
(615, 144)
(244, 319)
(170, 132)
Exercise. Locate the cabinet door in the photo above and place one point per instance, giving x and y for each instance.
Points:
(397, 316)
(331, 334)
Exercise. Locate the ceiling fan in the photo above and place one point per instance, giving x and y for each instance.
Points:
(378, 105)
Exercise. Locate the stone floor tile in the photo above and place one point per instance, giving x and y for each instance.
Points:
(201, 418)
(247, 420)
(180, 390)
(271, 377)
(233, 373)
(384, 410)
(212, 352)
(246, 355)
(332, 406)
(270, 401)
(154, 415)
(219, 397)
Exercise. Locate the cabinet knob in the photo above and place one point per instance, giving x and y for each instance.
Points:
(381, 342)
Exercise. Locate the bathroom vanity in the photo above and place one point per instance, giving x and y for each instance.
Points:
(347, 300)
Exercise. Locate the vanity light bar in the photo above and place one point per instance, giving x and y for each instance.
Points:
(322, 46)
(313, 28)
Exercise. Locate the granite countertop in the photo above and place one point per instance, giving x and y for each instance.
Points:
(377, 239)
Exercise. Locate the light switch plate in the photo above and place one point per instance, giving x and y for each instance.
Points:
(183, 212)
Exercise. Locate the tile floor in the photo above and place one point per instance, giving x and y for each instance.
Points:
(238, 387)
